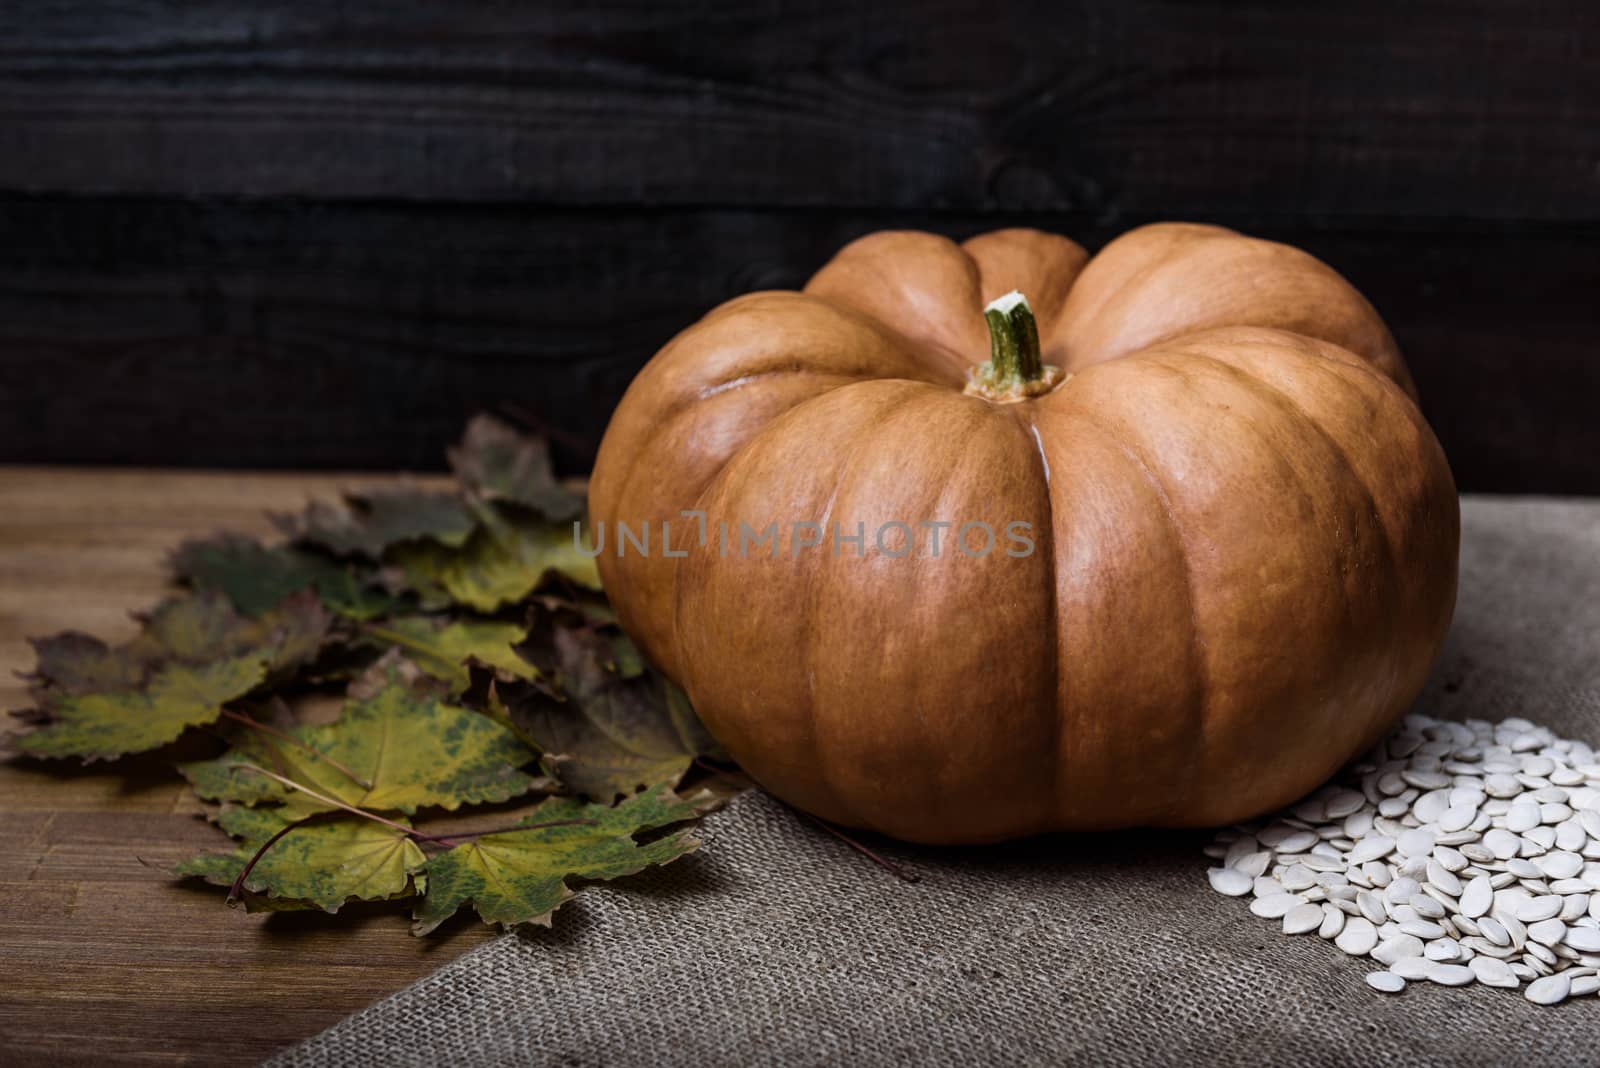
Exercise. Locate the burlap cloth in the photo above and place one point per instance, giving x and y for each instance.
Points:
(776, 944)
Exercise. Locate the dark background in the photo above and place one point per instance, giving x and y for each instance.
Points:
(275, 233)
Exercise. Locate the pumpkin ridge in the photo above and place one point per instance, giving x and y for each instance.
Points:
(1391, 554)
(1197, 660)
(1053, 627)
(1285, 400)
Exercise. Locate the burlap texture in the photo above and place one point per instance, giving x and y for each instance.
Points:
(776, 944)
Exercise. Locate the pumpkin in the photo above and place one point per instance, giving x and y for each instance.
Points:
(1222, 537)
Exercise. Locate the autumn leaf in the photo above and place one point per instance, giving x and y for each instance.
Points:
(606, 725)
(497, 463)
(520, 876)
(504, 561)
(101, 726)
(193, 656)
(369, 522)
(323, 862)
(256, 578)
(399, 750)
(444, 650)
(75, 663)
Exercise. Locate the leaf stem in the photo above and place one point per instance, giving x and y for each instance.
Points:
(336, 803)
(235, 890)
(883, 862)
(314, 753)
(518, 827)
(445, 840)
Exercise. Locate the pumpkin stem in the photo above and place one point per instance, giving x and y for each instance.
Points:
(1015, 369)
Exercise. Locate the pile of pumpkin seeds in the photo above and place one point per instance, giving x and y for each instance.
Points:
(1455, 853)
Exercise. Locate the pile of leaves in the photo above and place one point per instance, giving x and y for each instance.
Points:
(471, 661)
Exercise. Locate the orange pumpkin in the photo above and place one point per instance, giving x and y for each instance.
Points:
(1241, 533)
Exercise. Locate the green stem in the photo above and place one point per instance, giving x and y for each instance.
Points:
(1016, 369)
(1013, 341)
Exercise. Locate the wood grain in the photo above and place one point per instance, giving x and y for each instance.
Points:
(363, 335)
(107, 959)
(1364, 109)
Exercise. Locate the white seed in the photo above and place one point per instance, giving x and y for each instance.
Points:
(1502, 843)
(1584, 939)
(1297, 842)
(1411, 967)
(1302, 918)
(1427, 908)
(1535, 909)
(1275, 907)
(1450, 974)
(1426, 929)
(1415, 842)
(1358, 937)
(1560, 865)
(1547, 932)
(1229, 881)
(1493, 972)
(1548, 990)
(1332, 922)
(1524, 816)
(1582, 984)
(1476, 897)
(1392, 949)
(1444, 880)
(1370, 849)
(1388, 982)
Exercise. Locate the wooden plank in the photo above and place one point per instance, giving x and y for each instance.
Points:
(107, 958)
(1356, 110)
(363, 335)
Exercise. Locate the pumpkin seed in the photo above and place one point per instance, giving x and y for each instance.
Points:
(1452, 852)
(1302, 918)
(1549, 989)
(1388, 982)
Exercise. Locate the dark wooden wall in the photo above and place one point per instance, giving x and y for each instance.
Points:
(285, 233)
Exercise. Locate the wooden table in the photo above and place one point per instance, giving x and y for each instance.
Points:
(104, 957)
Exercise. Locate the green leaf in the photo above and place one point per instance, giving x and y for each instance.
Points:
(322, 863)
(100, 726)
(606, 724)
(443, 650)
(411, 749)
(256, 578)
(520, 876)
(497, 463)
(504, 561)
(370, 522)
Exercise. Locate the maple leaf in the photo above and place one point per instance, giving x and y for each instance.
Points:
(256, 578)
(320, 862)
(193, 656)
(497, 463)
(369, 522)
(520, 876)
(76, 663)
(100, 726)
(504, 561)
(399, 750)
(204, 627)
(606, 724)
(444, 650)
